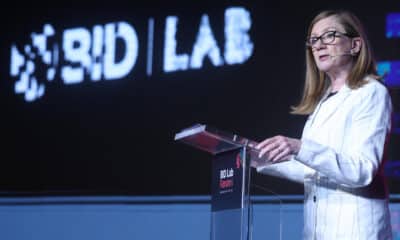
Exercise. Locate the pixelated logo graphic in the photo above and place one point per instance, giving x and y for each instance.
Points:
(83, 54)
(391, 69)
(34, 55)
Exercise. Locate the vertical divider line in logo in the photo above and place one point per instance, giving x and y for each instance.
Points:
(149, 68)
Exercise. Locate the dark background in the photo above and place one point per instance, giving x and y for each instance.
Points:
(116, 137)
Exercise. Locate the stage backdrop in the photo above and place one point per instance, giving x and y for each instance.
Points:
(92, 94)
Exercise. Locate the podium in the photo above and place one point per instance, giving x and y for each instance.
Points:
(233, 156)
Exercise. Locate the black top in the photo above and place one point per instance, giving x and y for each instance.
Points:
(331, 94)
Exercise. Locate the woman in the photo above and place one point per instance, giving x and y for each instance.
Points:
(340, 155)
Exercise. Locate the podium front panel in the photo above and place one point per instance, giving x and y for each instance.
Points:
(230, 196)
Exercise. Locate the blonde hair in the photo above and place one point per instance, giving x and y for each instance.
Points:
(317, 82)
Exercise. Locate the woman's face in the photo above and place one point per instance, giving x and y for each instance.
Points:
(330, 47)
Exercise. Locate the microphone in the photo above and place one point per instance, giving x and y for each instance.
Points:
(350, 53)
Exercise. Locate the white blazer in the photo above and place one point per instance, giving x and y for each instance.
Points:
(340, 163)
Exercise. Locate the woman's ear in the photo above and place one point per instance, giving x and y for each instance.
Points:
(356, 44)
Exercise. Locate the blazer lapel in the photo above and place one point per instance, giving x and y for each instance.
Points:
(328, 106)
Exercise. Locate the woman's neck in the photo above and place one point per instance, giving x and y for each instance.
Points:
(337, 84)
(338, 78)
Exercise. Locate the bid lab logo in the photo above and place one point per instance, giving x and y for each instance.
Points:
(226, 179)
(92, 54)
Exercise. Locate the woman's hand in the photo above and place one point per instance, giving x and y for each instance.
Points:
(279, 148)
